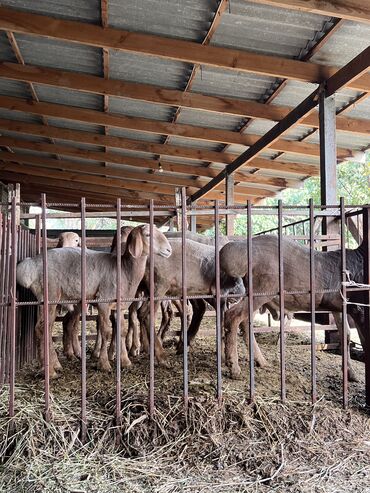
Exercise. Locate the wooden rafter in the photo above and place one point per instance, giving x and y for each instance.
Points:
(41, 166)
(354, 10)
(174, 49)
(147, 164)
(157, 127)
(152, 148)
(170, 97)
(149, 93)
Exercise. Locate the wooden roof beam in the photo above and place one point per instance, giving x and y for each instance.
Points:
(173, 49)
(158, 127)
(354, 10)
(155, 176)
(146, 147)
(169, 97)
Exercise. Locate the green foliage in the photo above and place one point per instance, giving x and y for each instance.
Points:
(353, 184)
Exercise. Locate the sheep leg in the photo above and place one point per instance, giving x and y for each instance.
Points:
(54, 363)
(125, 360)
(71, 343)
(199, 309)
(96, 351)
(352, 377)
(112, 345)
(135, 329)
(232, 319)
(144, 317)
(106, 334)
(258, 356)
(167, 317)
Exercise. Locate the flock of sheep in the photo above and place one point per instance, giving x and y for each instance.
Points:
(64, 284)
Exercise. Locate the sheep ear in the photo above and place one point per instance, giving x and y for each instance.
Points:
(59, 244)
(135, 243)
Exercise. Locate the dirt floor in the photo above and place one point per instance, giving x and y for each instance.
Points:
(235, 447)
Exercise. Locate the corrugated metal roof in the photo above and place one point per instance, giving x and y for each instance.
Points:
(6, 52)
(60, 54)
(209, 119)
(69, 97)
(19, 116)
(347, 42)
(184, 19)
(264, 29)
(148, 70)
(82, 10)
(14, 88)
(244, 25)
(142, 109)
(240, 85)
(16, 135)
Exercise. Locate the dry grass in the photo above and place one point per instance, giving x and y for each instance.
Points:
(237, 447)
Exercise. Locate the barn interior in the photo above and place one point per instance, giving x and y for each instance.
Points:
(183, 113)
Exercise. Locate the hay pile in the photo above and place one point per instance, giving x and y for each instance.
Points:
(238, 447)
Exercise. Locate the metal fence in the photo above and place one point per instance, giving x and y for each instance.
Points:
(17, 318)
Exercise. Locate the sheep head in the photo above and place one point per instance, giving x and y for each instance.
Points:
(138, 242)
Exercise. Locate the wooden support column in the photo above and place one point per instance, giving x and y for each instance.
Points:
(230, 219)
(366, 300)
(193, 221)
(328, 157)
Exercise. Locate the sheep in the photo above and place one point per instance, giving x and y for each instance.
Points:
(200, 264)
(101, 274)
(296, 262)
(68, 239)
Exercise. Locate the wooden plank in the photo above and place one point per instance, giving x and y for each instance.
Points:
(111, 157)
(168, 150)
(157, 127)
(354, 10)
(168, 97)
(173, 49)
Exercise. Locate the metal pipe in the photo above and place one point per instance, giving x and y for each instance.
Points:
(119, 320)
(13, 306)
(151, 309)
(281, 300)
(312, 302)
(83, 321)
(250, 302)
(344, 304)
(218, 304)
(45, 308)
(184, 299)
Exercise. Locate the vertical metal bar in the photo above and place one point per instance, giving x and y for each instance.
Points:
(5, 341)
(366, 299)
(38, 235)
(218, 303)
(344, 304)
(45, 307)
(184, 299)
(312, 301)
(2, 295)
(230, 219)
(83, 321)
(281, 300)
(152, 309)
(13, 306)
(119, 320)
(250, 302)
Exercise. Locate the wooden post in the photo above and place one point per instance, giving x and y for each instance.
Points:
(230, 219)
(193, 221)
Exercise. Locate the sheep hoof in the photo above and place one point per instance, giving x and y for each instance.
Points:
(57, 365)
(235, 373)
(126, 363)
(164, 364)
(95, 355)
(104, 365)
(352, 377)
(134, 352)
